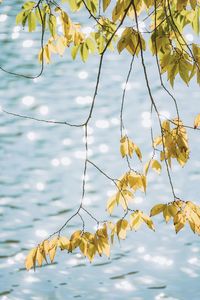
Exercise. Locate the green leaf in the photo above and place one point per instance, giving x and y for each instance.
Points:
(29, 5)
(31, 22)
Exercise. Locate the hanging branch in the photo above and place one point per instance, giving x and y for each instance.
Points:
(43, 20)
(99, 242)
(152, 101)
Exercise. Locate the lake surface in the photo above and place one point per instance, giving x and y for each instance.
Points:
(41, 169)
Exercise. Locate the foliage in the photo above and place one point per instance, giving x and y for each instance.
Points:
(163, 37)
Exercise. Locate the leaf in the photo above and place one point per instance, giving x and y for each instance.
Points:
(75, 240)
(102, 242)
(138, 152)
(179, 221)
(20, 17)
(52, 249)
(31, 259)
(105, 4)
(173, 209)
(91, 45)
(111, 204)
(74, 51)
(136, 220)
(83, 246)
(137, 181)
(157, 209)
(31, 22)
(121, 227)
(193, 4)
(63, 243)
(126, 147)
(156, 166)
(197, 121)
(60, 45)
(91, 251)
(46, 247)
(84, 52)
(52, 25)
(148, 221)
(166, 214)
(112, 228)
(29, 5)
(40, 256)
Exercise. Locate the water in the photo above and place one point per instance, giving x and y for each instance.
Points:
(41, 174)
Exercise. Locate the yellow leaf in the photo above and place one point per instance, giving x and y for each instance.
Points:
(166, 214)
(31, 259)
(105, 4)
(75, 240)
(137, 181)
(148, 221)
(144, 183)
(157, 209)
(101, 241)
(126, 146)
(112, 228)
(52, 248)
(111, 204)
(136, 220)
(156, 166)
(179, 221)
(197, 121)
(63, 243)
(157, 141)
(46, 247)
(83, 246)
(40, 256)
(138, 152)
(146, 167)
(122, 226)
(172, 209)
(91, 251)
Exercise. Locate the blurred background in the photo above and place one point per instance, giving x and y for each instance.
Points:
(41, 167)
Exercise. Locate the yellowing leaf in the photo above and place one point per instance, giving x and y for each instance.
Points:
(166, 214)
(91, 251)
(127, 147)
(105, 4)
(31, 259)
(197, 121)
(46, 246)
(75, 240)
(156, 166)
(63, 243)
(148, 221)
(111, 204)
(138, 152)
(137, 181)
(52, 248)
(83, 246)
(31, 22)
(121, 227)
(179, 221)
(173, 209)
(40, 256)
(101, 241)
(135, 220)
(158, 208)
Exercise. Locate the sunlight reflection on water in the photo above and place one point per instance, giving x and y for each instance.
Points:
(42, 171)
